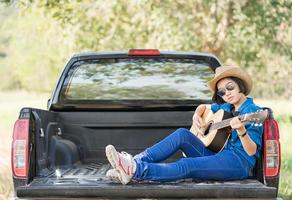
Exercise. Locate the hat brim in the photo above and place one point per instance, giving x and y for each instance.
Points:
(233, 72)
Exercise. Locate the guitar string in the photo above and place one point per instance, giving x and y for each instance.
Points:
(222, 124)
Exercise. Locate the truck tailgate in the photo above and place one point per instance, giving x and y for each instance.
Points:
(90, 181)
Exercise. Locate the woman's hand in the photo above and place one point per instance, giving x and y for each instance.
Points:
(235, 123)
(198, 123)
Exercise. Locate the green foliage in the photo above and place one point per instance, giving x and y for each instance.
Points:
(252, 34)
(35, 51)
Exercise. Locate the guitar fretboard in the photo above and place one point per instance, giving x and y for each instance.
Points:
(224, 123)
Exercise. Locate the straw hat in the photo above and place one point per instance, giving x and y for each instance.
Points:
(230, 71)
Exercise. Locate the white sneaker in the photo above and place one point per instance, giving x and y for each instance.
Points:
(123, 162)
(112, 174)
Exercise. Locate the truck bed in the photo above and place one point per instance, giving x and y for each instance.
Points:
(73, 164)
(89, 180)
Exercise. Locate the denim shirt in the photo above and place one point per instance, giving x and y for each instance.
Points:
(255, 131)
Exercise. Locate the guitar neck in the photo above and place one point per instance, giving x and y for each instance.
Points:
(224, 123)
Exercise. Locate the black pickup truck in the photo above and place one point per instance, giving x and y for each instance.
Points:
(130, 99)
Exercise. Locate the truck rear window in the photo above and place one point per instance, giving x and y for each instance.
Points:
(137, 79)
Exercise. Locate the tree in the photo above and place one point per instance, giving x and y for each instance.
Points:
(252, 34)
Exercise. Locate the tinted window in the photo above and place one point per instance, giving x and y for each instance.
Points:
(138, 78)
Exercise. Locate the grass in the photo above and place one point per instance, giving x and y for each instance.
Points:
(285, 190)
(12, 102)
(5, 182)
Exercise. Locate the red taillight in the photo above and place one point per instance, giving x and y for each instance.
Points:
(19, 153)
(143, 52)
(272, 151)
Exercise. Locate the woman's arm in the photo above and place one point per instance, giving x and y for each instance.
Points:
(248, 144)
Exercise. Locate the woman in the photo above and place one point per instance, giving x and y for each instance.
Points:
(230, 86)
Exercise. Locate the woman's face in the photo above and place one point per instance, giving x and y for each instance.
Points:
(229, 91)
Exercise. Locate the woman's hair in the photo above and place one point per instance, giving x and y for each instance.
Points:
(242, 89)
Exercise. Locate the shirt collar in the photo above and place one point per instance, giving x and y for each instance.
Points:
(246, 103)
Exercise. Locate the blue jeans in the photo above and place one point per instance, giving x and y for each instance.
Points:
(200, 163)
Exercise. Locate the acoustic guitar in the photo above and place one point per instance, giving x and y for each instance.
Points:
(218, 130)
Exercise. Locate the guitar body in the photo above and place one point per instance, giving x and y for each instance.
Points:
(216, 139)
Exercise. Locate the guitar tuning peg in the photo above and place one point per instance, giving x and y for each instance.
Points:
(260, 124)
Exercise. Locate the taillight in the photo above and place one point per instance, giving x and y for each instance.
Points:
(272, 151)
(144, 52)
(19, 153)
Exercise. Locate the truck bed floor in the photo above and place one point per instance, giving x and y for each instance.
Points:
(89, 180)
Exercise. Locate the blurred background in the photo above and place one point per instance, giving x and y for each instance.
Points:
(38, 37)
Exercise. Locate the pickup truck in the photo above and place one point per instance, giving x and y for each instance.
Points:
(131, 99)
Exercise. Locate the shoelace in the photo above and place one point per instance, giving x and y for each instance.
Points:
(129, 169)
(126, 154)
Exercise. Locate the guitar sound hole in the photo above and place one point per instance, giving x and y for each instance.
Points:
(208, 128)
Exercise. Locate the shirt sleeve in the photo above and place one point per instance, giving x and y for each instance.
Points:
(255, 132)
